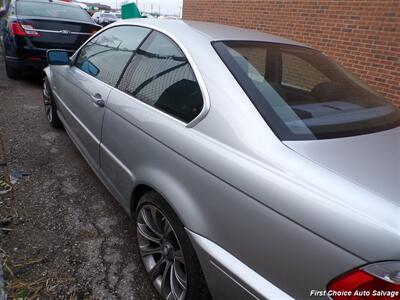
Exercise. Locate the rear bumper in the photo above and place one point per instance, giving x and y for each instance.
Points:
(31, 59)
(36, 63)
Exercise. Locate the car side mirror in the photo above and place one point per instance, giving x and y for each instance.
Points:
(58, 57)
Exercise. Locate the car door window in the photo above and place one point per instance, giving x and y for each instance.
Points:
(106, 55)
(161, 76)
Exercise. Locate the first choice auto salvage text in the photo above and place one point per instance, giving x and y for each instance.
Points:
(344, 293)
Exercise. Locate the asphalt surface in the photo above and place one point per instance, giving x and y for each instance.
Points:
(63, 233)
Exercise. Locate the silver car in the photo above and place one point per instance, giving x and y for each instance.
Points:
(254, 166)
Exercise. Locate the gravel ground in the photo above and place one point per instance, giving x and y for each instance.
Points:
(63, 233)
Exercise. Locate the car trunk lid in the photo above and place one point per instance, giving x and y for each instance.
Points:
(59, 34)
(371, 161)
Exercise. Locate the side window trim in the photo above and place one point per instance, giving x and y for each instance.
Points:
(144, 53)
(149, 39)
(193, 65)
(75, 57)
(151, 107)
(196, 74)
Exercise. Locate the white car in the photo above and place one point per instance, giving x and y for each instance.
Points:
(104, 18)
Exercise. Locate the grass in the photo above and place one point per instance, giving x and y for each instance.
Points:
(33, 289)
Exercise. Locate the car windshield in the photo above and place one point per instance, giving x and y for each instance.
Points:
(52, 10)
(302, 94)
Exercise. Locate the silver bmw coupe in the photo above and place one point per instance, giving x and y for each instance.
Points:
(254, 166)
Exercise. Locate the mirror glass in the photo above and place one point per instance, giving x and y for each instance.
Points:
(57, 57)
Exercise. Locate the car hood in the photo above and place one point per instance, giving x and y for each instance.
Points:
(371, 161)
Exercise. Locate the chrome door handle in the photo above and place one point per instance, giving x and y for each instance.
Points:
(98, 100)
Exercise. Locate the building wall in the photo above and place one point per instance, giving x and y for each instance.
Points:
(362, 35)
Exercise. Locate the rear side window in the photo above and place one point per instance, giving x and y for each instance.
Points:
(160, 75)
(52, 10)
(106, 55)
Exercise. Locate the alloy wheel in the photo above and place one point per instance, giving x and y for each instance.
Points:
(47, 101)
(161, 253)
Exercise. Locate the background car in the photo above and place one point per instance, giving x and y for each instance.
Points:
(247, 159)
(32, 27)
(168, 17)
(104, 18)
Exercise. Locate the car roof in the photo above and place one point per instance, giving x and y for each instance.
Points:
(211, 31)
(60, 2)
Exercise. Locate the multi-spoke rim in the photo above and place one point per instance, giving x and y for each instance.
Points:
(47, 101)
(161, 253)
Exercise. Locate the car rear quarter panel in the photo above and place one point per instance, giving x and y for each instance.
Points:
(150, 146)
(301, 190)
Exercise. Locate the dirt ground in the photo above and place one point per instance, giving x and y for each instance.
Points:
(62, 235)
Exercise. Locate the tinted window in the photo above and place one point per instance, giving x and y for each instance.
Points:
(106, 55)
(161, 76)
(52, 10)
(300, 74)
(302, 94)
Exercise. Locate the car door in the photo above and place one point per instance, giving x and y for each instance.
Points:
(85, 86)
(157, 95)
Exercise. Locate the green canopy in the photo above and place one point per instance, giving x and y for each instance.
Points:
(129, 11)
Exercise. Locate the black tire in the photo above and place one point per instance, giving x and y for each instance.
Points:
(12, 72)
(50, 107)
(196, 287)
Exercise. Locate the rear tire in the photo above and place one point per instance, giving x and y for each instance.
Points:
(12, 72)
(50, 107)
(164, 244)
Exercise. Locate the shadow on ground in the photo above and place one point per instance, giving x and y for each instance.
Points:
(66, 236)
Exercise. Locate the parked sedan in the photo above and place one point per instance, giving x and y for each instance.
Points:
(32, 27)
(255, 167)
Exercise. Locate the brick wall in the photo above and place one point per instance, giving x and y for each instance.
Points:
(362, 35)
